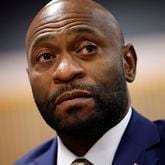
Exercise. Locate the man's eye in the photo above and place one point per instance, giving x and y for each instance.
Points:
(88, 49)
(45, 57)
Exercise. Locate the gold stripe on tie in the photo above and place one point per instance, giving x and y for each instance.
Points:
(81, 161)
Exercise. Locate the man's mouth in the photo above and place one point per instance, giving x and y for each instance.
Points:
(71, 95)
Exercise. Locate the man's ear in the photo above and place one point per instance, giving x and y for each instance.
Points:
(129, 62)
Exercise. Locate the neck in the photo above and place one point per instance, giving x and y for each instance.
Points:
(79, 145)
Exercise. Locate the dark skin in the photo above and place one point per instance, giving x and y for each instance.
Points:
(67, 43)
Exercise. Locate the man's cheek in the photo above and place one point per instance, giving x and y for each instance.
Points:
(40, 89)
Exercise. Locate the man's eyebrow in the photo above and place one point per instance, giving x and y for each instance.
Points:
(42, 39)
(80, 30)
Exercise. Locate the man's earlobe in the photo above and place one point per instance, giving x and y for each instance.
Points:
(129, 62)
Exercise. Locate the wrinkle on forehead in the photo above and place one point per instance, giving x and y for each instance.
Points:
(60, 13)
(61, 22)
(77, 30)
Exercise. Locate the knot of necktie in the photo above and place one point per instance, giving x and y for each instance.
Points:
(81, 161)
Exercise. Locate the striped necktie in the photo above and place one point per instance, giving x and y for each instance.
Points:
(81, 161)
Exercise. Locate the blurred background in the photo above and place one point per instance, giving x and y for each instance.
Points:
(21, 126)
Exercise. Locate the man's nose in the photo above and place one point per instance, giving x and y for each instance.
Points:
(68, 70)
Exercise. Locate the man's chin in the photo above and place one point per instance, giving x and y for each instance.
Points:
(75, 124)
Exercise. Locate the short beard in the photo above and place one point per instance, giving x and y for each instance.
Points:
(111, 106)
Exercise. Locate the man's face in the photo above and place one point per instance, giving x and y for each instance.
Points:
(76, 73)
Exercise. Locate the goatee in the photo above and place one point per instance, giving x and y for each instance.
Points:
(111, 104)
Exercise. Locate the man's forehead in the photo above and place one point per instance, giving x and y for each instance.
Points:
(63, 12)
(79, 32)
(59, 13)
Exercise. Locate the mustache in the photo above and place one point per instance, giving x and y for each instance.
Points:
(50, 102)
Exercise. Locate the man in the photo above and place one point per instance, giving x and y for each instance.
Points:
(78, 66)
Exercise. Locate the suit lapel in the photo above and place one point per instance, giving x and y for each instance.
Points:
(48, 157)
(137, 144)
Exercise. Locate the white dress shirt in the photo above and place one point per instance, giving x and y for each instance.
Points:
(103, 151)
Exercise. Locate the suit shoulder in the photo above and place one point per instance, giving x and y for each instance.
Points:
(35, 153)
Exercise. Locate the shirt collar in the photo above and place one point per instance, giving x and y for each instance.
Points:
(103, 151)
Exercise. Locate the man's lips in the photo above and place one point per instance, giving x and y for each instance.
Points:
(70, 95)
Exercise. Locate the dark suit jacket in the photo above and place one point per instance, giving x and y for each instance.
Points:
(143, 143)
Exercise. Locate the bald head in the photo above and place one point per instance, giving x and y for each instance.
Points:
(58, 13)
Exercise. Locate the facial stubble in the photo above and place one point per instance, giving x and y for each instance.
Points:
(111, 104)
